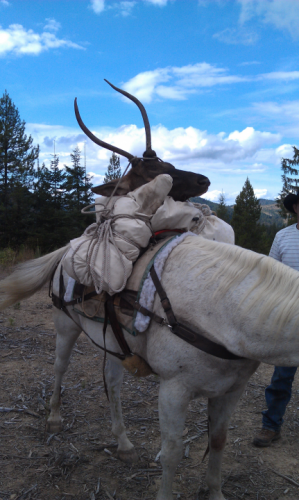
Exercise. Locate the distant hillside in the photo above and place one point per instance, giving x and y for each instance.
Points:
(266, 202)
(270, 212)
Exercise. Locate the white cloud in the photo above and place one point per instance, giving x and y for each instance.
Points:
(5, 3)
(212, 195)
(178, 83)
(287, 110)
(98, 6)
(280, 75)
(97, 179)
(143, 85)
(284, 116)
(181, 81)
(249, 63)
(284, 151)
(282, 14)
(52, 25)
(203, 75)
(18, 40)
(233, 36)
(252, 140)
(260, 193)
(187, 148)
(124, 7)
(159, 3)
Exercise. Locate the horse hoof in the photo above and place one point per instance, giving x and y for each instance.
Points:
(53, 427)
(128, 456)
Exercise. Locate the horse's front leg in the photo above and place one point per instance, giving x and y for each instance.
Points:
(67, 334)
(114, 378)
(220, 410)
(173, 403)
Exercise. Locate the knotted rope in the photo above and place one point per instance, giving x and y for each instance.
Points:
(102, 234)
(201, 223)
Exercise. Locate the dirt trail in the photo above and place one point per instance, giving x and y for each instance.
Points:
(80, 463)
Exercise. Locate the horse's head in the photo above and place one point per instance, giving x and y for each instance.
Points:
(145, 169)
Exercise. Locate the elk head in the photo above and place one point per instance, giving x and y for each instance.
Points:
(145, 169)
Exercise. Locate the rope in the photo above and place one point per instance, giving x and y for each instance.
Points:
(204, 212)
(102, 233)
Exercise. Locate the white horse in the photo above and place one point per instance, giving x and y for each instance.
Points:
(242, 300)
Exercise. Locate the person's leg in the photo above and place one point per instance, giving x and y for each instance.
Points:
(278, 395)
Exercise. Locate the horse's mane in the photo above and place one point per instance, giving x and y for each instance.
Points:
(274, 284)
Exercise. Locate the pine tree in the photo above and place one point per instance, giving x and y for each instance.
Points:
(57, 178)
(113, 169)
(17, 157)
(53, 221)
(40, 233)
(77, 183)
(247, 211)
(222, 211)
(78, 194)
(290, 184)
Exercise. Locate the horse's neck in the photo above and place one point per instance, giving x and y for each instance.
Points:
(224, 318)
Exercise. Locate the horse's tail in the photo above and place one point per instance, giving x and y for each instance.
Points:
(28, 278)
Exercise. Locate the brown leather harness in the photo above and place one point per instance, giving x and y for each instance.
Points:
(110, 316)
(128, 299)
(192, 337)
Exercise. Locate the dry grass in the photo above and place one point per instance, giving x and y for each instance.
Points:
(10, 257)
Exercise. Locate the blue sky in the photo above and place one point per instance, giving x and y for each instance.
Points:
(219, 80)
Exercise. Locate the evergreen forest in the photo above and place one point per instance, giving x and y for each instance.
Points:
(40, 207)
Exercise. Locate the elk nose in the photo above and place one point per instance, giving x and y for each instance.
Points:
(203, 180)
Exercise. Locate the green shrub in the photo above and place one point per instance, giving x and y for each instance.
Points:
(7, 257)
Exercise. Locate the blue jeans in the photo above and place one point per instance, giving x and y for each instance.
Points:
(277, 395)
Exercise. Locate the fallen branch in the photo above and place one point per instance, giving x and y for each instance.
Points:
(19, 410)
(6, 455)
(26, 492)
(188, 440)
(77, 350)
(108, 494)
(43, 403)
(290, 480)
(103, 446)
(51, 437)
(8, 354)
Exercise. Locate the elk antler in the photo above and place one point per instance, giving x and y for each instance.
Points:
(144, 116)
(96, 140)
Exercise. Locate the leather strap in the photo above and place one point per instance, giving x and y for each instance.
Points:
(185, 333)
(117, 329)
(135, 305)
(62, 306)
(163, 297)
(58, 301)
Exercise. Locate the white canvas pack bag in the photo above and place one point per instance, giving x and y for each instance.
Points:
(174, 215)
(211, 227)
(103, 256)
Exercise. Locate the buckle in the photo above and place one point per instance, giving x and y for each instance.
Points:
(165, 323)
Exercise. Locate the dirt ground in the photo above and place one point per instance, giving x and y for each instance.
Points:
(80, 462)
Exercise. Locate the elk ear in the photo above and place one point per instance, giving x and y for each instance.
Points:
(108, 188)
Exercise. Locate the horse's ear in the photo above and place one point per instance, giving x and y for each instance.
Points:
(108, 188)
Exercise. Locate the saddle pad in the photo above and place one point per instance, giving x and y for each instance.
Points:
(94, 308)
